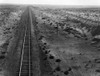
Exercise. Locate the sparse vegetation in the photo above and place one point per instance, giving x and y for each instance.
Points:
(9, 22)
(72, 36)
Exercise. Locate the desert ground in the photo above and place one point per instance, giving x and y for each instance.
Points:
(68, 40)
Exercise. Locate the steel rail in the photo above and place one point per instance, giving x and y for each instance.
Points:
(33, 26)
(29, 51)
(27, 34)
(21, 63)
(27, 31)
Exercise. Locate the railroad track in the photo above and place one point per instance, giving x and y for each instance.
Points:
(31, 56)
(25, 68)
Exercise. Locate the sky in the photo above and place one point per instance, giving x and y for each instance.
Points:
(53, 2)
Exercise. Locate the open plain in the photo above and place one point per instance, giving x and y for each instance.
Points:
(46, 41)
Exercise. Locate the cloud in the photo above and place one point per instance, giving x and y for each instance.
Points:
(1, 1)
(54, 2)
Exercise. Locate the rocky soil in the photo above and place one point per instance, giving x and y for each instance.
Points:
(9, 21)
(71, 43)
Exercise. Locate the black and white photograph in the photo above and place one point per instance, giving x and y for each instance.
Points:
(49, 37)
